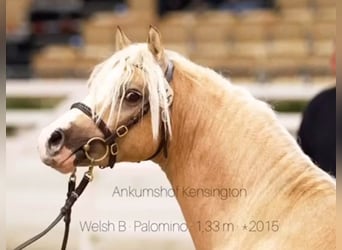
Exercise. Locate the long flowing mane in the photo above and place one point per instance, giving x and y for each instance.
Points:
(110, 79)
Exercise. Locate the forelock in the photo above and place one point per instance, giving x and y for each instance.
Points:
(110, 78)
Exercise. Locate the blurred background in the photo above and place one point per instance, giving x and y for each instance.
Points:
(281, 50)
(250, 40)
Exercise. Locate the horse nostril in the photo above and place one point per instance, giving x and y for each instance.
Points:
(55, 141)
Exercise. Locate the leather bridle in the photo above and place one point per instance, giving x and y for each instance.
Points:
(111, 151)
(110, 138)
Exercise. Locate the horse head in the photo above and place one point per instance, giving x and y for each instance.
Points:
(123, 114)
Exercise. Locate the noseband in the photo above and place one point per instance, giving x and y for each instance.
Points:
(111, 151)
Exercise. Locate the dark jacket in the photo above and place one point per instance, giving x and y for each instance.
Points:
(317, 133)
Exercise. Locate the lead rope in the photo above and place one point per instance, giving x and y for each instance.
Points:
(65, 212)
(67, 217)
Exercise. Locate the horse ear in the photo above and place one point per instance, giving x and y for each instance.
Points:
(121, 40)
(155, 44)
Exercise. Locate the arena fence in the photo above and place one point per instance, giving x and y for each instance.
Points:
(63, 92)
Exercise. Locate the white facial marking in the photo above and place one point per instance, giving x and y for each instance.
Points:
(64, 122)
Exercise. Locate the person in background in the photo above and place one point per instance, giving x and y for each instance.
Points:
(245, 5)
(165, 6)
(317, 132)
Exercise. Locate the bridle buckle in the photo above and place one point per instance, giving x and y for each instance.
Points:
(114, 149)
(121, 131)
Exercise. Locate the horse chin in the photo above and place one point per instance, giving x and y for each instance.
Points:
(66, 166)
(63, 164)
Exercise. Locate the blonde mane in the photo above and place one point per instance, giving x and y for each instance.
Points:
(110, 79)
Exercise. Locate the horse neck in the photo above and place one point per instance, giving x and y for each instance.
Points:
(220, 133)
(224, 138)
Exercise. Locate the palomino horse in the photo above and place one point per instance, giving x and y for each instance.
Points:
(214, 135)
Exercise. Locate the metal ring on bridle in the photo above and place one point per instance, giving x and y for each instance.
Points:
(87, 146)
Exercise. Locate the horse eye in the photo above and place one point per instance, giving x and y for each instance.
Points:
(133, 96)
